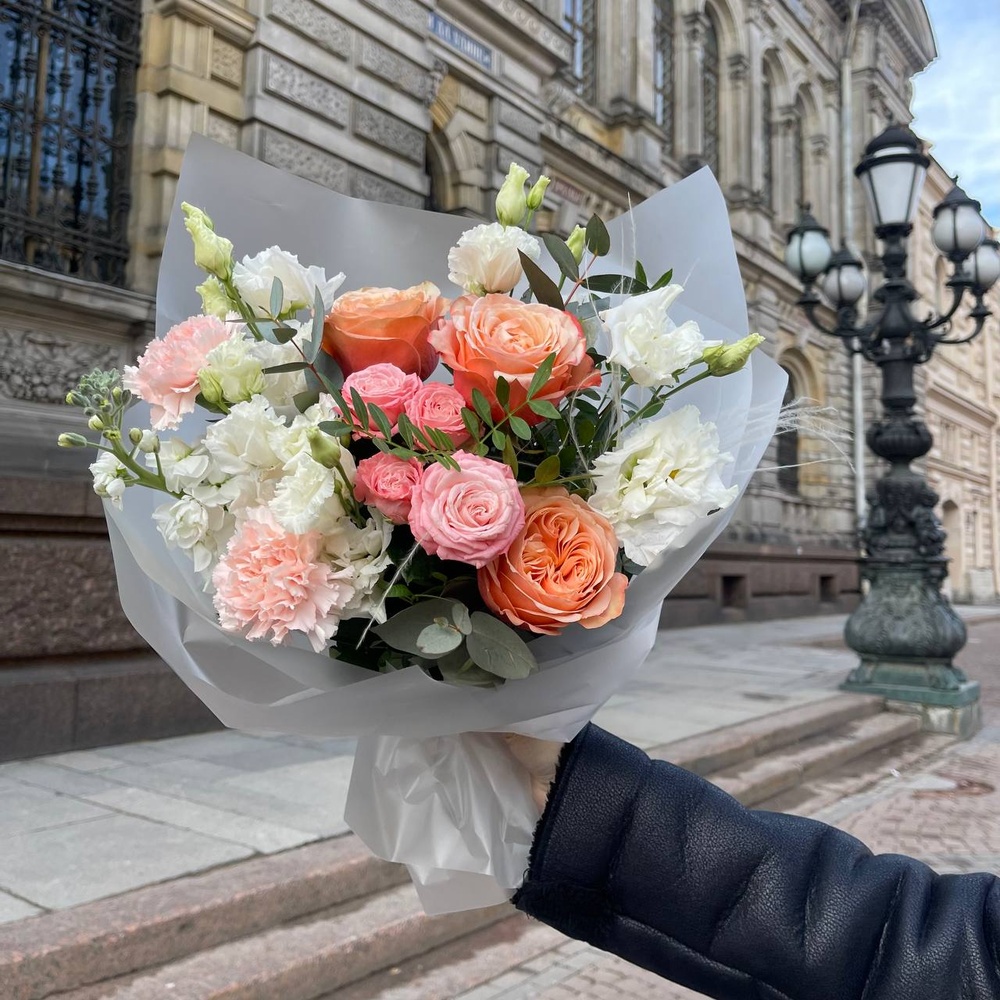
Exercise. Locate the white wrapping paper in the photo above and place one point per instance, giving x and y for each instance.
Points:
(428, 789)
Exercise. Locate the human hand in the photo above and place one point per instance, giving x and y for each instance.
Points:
(540, 758)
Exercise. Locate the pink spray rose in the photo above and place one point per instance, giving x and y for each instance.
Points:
(438, 405)
(471, 515)
(386, 483)
(166, 376)
(382, 385)
(270, 580)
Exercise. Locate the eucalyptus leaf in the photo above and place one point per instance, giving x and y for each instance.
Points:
(277, 296)
(306, 399)
(457, 668)
(545, 289)
(319, 318)
(562, 255)
(403, 630)
(461, 617)
(613, 284)
(498, 649)
(598, 238)
(291, 366)
(437, 640)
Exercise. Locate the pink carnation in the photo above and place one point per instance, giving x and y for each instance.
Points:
(439, 405)
(270, 580)
(384, 386)
(166, 375)
(386, 483)
(471, 515)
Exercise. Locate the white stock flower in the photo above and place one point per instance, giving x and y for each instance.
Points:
(183, 467)
(663, 478)
(110, 478)
(486, 259)
(242, 441)
(254, 277)
(232, 373)
(192, 527)
(306, 496)
(365, 552)
(648, 344)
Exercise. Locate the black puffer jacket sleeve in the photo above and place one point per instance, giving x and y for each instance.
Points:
(661, 867)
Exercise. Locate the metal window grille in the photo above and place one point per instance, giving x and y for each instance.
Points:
(580, 22)
(788, 449)
(711, 72)
(767, 142)
(67, 105)
(663, 68)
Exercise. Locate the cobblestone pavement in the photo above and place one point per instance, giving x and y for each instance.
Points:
(944, 810)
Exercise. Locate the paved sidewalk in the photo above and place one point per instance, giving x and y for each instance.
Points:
(81, 826)
(945, 813)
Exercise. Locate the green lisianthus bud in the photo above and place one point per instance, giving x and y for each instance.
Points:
(577, 243)
(726, 359)
(537, 193)
(211, 387)
(512, 203)
(324, 449)
(214, 300)
(72, 441)
(212, 253)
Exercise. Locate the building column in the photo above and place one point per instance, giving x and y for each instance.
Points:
(690, 110)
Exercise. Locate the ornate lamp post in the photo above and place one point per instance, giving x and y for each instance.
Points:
(904, 629)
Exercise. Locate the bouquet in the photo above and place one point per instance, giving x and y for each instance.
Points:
(414, 517)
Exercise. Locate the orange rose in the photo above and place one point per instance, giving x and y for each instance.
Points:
(374, 325)
(560, 569)
(496, 336)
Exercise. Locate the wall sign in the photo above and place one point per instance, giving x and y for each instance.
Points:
(456, 39)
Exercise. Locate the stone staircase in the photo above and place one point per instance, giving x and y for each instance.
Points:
(329, 922)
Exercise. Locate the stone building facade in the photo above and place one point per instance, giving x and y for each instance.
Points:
(423, 103)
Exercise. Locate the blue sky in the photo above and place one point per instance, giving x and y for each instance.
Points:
(957, 100)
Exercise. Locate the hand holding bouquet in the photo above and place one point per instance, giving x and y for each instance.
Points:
(468, 503)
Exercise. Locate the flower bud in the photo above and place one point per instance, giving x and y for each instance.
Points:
(512, 204)
(116, 394)
(148, 442)
(537, 194)
(135, 435)
(730, 358)
(211, 387)
(212, 253)
(72, 441)
(577, 243)
(95, 423)
(113, 434)
(325, 449)
(214, 300)
(73, 398)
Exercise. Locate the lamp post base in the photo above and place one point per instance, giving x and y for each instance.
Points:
(939, 693)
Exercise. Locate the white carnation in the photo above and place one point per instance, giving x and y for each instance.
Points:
(662, 479)
(254, 277)
(110, 478)
(648, 344)
(183, 466)
(242, 441)
(486, 258)
(365, 552)
(192, 527)
(233, 368)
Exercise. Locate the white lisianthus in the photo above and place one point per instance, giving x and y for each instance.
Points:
(190, 526)
(183, 466)
(281, 389)
(305, 495)
(254, 276)
(365, 552)
(110, 478)
(242, 441)
(232, 373)
(662, 479)
(647, 343)
(214, 299)
(486, 258)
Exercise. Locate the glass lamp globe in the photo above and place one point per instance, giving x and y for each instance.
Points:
(844, 281)
(892, 173)
(958, 227)
(808, 251)
(983, 266)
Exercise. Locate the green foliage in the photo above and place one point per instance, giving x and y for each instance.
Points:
(545, 289)
(598, 237)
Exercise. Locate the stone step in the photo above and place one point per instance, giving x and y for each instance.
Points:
(307, 959)
(708, 753)
(484, 956)
(763, 778)
(108, 938)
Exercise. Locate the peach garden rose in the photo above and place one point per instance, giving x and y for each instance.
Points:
(468, 515)
(392, 325)
(559, 570)
(498, 337)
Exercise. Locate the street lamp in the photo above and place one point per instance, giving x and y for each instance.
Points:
(904, 630)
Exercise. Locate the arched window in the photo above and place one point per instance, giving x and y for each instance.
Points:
(798, 155)
(767, 139)
(67, 104)
(663, 68)
(580, 22)
(710, 76)
(788, 447)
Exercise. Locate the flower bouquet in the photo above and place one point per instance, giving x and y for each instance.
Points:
(416, 518)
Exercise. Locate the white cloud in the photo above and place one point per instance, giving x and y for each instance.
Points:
(957, 100)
